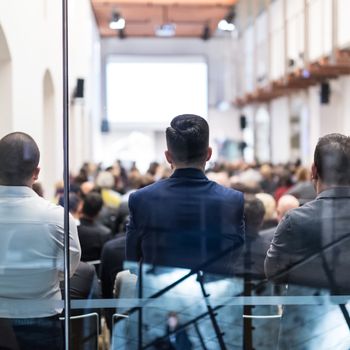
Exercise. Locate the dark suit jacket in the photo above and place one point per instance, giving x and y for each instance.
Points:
(92, 237)
(112, 259)
(184, 220)
(251, 261)
(309, 230)
(84, 283)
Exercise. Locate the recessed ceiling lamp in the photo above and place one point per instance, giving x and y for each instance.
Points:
(166, 30)
(227, 23)
(226, 26)
(117, 22)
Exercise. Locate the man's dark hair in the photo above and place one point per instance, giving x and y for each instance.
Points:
(19, 157)
(74, 202)
(92, 204)
(188, 139)
(254, 212)
(332, 159)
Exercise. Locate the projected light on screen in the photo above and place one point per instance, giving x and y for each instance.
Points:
(152, 90)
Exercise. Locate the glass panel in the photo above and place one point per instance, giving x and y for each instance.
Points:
(31, 222)
(174, 244)
(132, 204)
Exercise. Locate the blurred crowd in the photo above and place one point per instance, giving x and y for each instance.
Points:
(101, 194)
(98, 201)
(113, 185)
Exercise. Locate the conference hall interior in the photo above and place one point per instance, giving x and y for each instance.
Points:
(96, 85)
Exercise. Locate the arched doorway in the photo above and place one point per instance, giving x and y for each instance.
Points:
(48, 153)
(5, 86)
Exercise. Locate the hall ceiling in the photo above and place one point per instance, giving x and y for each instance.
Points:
(144, 16)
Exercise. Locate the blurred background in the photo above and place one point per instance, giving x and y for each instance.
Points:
(269, 76)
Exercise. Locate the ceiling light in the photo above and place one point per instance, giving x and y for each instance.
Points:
(117, 22)
(226, 26)
(166, 30)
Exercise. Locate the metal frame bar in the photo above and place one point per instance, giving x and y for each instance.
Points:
(219, 334)
(200, 336)
(65, 102)
(140, 310)
(92, 314)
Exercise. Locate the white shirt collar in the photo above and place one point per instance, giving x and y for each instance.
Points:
(17, 191)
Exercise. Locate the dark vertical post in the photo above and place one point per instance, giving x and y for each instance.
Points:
(200, 336)
(66, 172)
(140, 295)
(247, 309)
(212, 314)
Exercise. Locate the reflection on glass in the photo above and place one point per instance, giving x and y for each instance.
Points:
(242, 246)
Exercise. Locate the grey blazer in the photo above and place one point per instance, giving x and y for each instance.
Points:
(315, 239)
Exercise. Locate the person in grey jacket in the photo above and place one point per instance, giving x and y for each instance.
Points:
(310, 245)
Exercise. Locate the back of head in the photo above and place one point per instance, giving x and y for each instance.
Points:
(332, 160)
(74, 202)
(286, 203)
(92, 204)
(188, 139)
(85, 188)
(134, 180)
(254, 212)
(302, 174)
(269, 204)
(105, 179)
(19, 158)
(266, 171)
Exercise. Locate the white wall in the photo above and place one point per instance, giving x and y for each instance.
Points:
(315, 119)
(33, 34)
(5, 85)
(280, 138)
(220, 56)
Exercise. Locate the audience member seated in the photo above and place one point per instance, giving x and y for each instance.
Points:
(92, 235)
(84, 283)
(85, 188)
(304, 189)
(286, 203)
(75, 207)
(270, 217)
(284, 184)
(112, 260)
(267, 184)
(251, 262)
(105, 182)
(134, 183)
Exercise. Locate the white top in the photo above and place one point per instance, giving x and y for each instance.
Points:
(31, 253)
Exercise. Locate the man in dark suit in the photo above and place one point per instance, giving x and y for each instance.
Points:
(185, 220)
(92, 235)
(320, 227)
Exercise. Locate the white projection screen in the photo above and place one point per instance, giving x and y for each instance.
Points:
(151, 90)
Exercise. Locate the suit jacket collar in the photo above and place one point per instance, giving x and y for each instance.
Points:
(192, 173)
(335, 192)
